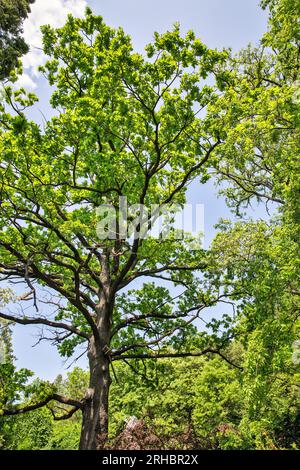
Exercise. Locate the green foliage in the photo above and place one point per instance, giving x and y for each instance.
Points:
(205, 395)
(258, 115)
(126, 124)
(12, 382)
(6, 354)
(29, 432)
(37, 429)
(12, 44)
(65, 436)
(258, 262)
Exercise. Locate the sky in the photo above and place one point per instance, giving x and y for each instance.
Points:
(219, 23)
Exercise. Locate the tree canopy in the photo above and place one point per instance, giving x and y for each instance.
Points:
(141, 128)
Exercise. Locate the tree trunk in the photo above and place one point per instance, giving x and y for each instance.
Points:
(95, 413)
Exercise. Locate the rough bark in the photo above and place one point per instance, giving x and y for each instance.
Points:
(95, 413)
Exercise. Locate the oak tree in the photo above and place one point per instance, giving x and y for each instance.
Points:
(124, 125)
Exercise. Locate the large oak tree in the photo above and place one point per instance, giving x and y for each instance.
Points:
(124, 124)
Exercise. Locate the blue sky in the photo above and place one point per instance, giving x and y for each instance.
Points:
(219, 23)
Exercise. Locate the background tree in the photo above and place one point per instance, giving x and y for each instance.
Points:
(258, 114)
(125, 125)
(36, 429)
(261, 261)
(12, 44)
(187, 403)
(12, 382)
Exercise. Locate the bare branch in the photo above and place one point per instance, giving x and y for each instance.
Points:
(78, 404)
(64, 416)
(44, 321)
(175, 355)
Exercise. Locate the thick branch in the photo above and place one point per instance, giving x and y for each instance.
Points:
(43, 321)
(174, 355)
(38, 274)
(64, 416)
(78, 404)
(167, 268)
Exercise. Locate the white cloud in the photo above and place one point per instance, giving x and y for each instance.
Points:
(25, 81)
(53, 12)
